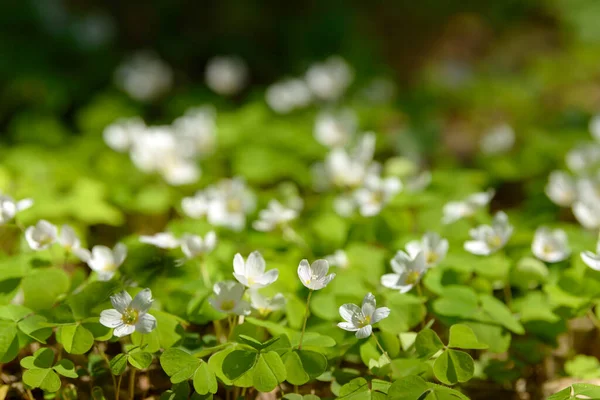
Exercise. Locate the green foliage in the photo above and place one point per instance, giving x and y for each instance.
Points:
(41, 372)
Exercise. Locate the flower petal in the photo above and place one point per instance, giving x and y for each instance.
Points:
(119, 253)
(146, 323)
(347, 311)
(368, 305)
(267, 278)
(120, 301)
(391, 281)
(379, 314)
(142, 301)
(124, 330)
(364, 332)
(304, 272)
(592, 260)
(347, 326)
(239, 266)
(319, 268)
(111, 318)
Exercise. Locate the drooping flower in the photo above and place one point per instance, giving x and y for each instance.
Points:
(499, 139)
(408, 271)
(104, 260)
(338, 259)
(251, 273)
(591, 259)
(550, 246)
(455, 210)
(314, 276)
(376, 193)
(433, 246)
(489, 239)
(228, 298)
(9, 207)
(361, 319)
(561, 188)
(129, 315)
(41, 236)
(275, 215)
(265, 305)
(194, 245)
(163, 240)
(68, 239)
(226, 75)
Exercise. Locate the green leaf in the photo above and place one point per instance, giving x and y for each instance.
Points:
(43, 358)
(238, 362)
(38, 293)
(118, 364)
(205, 380)
(499, 313)
(445, 393)
(43, 378)
(9, 343)
(66, 368)
(92, 295)
(268, 371)
(457, 301)
(408, 388)
(406, 313)
(140, 359)
(577, 391)
(302, 365)
(179, 365)
(356, 389)
(453, 366)
(36, 327)
(76, 339)
(463, 337)
(250, 341)
(583, 367)
(428, 343)
(14, 312)
(313, 339)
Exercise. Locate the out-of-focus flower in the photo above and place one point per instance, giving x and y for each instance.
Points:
(550, 246)
(432, 246)
(229, 203)
(489, 239)
(41, 236)
(338, 259)
(349, 169)
(591, 259)
(195, 206)
(163, 240)
(103, 260)
(228, 298)
(196, 131)
(68, 239)
(275, 215)
(561, 188)
(418, 183)
(314, 276)
(9, 207)
(288, 95)
(376, 193)
(344, 205)
(129, 315)
(335, 129)
(595, 127)
(329, 80)
(408, 271)
(361, 319)
(265, 305)
(583, 158)
(587, 206)
(251, 273)
(500, 139)
(194, 245)
(455, 210)
(226, 75)
(144, 76)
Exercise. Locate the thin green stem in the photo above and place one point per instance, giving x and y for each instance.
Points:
(132, 384)
(381, 347)
(103, 355)
(306, 312)
(118, 389)
(204, 271)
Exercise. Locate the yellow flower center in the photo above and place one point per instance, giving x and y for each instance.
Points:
(413, 277)
(432, 257)
(130, 316)
(227, 305)
(495, 241)
(547, 248)
(110, 267)
(234, 205)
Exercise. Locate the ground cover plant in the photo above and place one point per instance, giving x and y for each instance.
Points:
(322, 236)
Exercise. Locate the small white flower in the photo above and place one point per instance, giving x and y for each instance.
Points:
(489, 239)
(275, 215)
(433, 247)
(561, 188)
(229, 203)
(68, 239)
(122, 134)
(314, 276)
(41, 236)
(129, 315)
(251, 273)
(498, 140)
(9, 207)
(587, 206)
(455, 210)
(338, 259)
(163, 240)
(583, 158)
(288, 95)
(361, 319)
(591, 259)
(265, 305)
(144, 76)
(335, 130)
(197, 131)
(104, 260)
(330, 79)
(550, 246)
(194, 245)
(228, 298)
(408, 271)
(226, 75)
(376, 193)
(195, 206)
(349, 169)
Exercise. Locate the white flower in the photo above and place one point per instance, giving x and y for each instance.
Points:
(499, 139)
(144, 76)
(595, 127)
(129, 315)
(338, 259)
(163, 240)
(195, 206)
(344, 205)
(349, 169)
(335, 130)
(196, 130)
(330, 79)
(226, 75)
(122, 134)
(41, 236)
(489, 239)
(104, 260)
(550, 246)
(9, 207)
(251, 273)
(228, 298)
(265, 305)
(229, 203)
(361, 319)
(561, 188)
(583, 158)
(408, 271)
(376, 193)
(288, 95)
(433, 247)
(68, 239)
(273, 216)
(591, 259)
(587, 206)
(194, 245)
(455, 210)
(314, 276)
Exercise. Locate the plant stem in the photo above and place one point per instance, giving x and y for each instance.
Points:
(132, 384)
(30, 395)
(508, 295)
(108, 366)
(204, 271)
(381, 347)
(592, 316)
(118, 392)
(305, 319)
